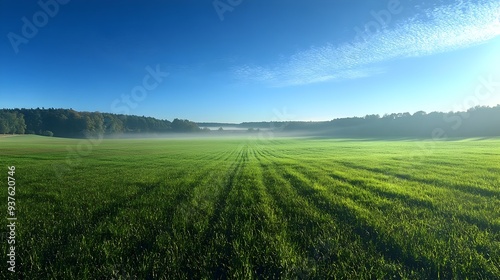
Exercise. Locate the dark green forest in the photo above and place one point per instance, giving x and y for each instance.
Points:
(478, 121)
(70, 123)
(475, 122)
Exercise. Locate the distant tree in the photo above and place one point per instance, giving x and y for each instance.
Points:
(48, 133)
(33, 120)
(372, 117)
(220, 129)
(93, 124)
(12, 122)
(19, 124)
(4, 126)
(184, 126)
(391, 116)
(112, 124)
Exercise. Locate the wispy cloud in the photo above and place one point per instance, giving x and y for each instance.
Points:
(441, 29)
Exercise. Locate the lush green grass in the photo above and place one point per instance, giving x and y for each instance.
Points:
(242, 208)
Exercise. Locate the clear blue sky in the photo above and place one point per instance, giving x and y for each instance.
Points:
(250, 60)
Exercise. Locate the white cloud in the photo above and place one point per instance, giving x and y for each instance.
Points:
(433, 31)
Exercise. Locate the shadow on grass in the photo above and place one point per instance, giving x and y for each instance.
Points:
(433, 182)
(343, 214)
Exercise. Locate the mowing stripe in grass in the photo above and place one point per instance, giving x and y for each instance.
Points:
(331, 250)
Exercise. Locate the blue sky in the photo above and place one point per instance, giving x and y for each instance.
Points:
(250, 60)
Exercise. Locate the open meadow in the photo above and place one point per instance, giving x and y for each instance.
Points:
(284, 208)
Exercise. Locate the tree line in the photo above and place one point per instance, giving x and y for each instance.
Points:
(71, 123)
(480, 121)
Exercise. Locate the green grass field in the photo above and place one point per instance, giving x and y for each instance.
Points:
(242, 208)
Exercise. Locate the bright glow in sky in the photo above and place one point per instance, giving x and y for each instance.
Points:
(266, 60)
